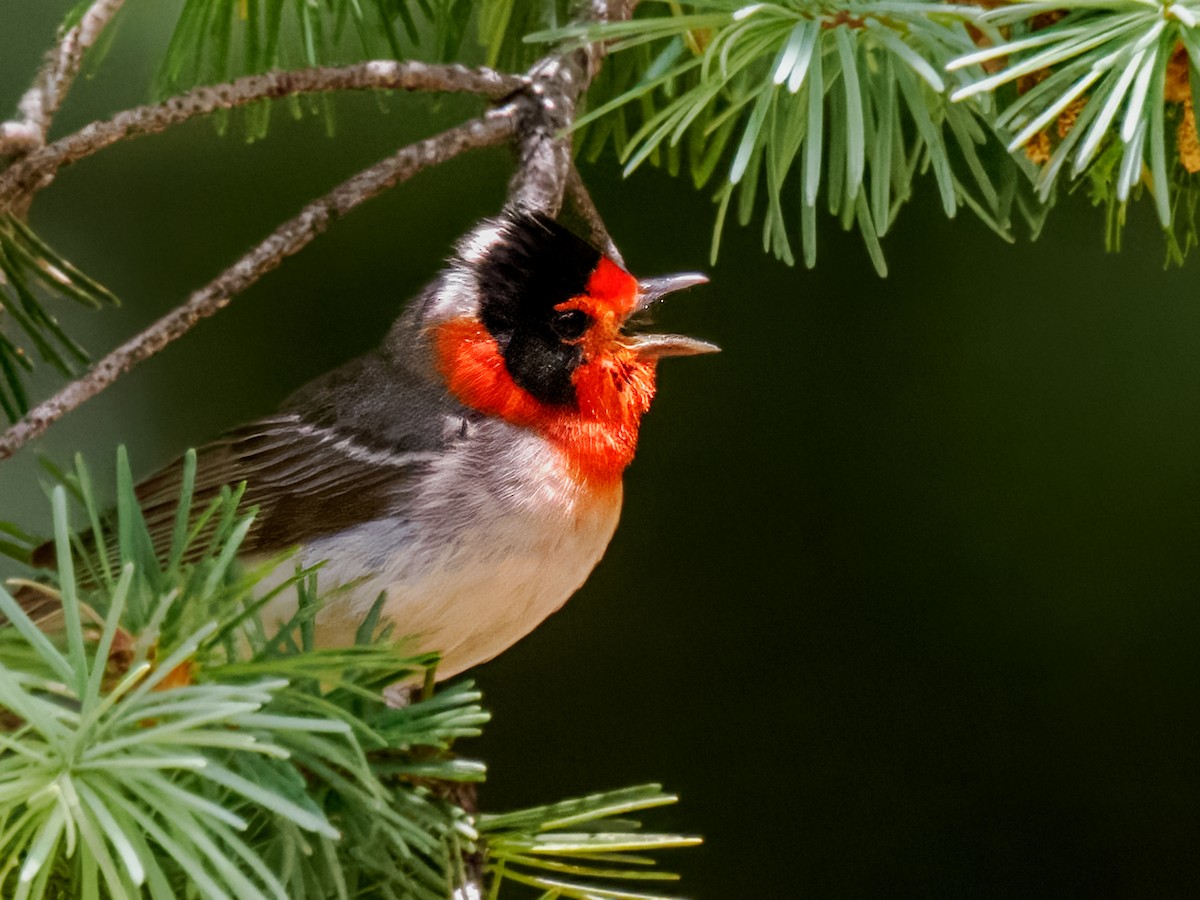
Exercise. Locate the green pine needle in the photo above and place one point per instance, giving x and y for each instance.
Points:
(577, 848)
(30, 268)
(166, 742)
(794, 99)
(1101, 85)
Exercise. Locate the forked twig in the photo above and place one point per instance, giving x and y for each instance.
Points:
(37, 170)
(286, 240)
(581, 201)
(540, 110)
(39, 104)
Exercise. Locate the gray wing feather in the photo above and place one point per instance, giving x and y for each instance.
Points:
(345, 451)
(306, 481)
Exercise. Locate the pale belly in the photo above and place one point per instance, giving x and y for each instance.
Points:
(469, 589)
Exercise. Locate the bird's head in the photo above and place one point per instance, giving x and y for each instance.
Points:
(536, 326)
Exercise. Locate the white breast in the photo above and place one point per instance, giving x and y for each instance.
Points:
(490, 545)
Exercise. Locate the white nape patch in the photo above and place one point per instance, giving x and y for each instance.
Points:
(456, 295)
(474, 247)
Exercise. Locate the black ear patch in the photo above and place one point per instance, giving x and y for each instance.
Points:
(534, 265)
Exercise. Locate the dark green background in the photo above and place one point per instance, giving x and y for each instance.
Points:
(904, 596)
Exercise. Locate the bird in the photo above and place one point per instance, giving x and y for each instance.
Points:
(470, 467)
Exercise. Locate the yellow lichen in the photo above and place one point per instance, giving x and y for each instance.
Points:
(1187, 141)
(1038, 148)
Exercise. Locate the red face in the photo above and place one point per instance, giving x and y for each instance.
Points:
(549, 349)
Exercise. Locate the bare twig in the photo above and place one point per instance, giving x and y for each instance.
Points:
(286, 240)
(581, 201)
(39, 104)
(38, 169)
(548, 110)
(539, 115)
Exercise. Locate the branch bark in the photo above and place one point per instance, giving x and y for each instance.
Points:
(54, 79)
(548, 108)
(37, 170)
(286, 240)
(541, 110)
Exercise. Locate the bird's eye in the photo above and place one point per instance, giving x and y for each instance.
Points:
(570, 324)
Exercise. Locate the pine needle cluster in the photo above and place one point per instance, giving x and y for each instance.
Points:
(785, 111)
(164, 743)
(854, 100)
(30, 271)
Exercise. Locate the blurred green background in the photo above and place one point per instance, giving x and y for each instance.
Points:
(904, 598)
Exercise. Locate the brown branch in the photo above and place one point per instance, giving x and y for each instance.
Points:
(39, 104)
(541, 111)
(29, 175)
(547, 111)
(286, 240)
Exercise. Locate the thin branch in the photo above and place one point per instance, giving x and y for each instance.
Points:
(39, 104)
(285, 241)
(29, 175)
(581, 201)
(539, 115)
(547, 110)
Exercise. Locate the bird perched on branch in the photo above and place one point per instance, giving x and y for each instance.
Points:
(470, 467)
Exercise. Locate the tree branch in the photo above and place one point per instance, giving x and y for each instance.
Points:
(286, 240)
(54, 79)
(33, 173)
(542, 109)
(547, 111)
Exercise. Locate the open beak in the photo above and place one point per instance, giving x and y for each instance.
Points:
(651, 290)
(657, 346)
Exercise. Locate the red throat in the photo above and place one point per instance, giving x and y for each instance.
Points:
(597, 435)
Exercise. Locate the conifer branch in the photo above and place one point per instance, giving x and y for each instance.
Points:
(540, 114)
(1103, 91)
(285, 241)
(427, 841)
(38, 169)
(548, 110)
(45, 96)
(845, 100)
